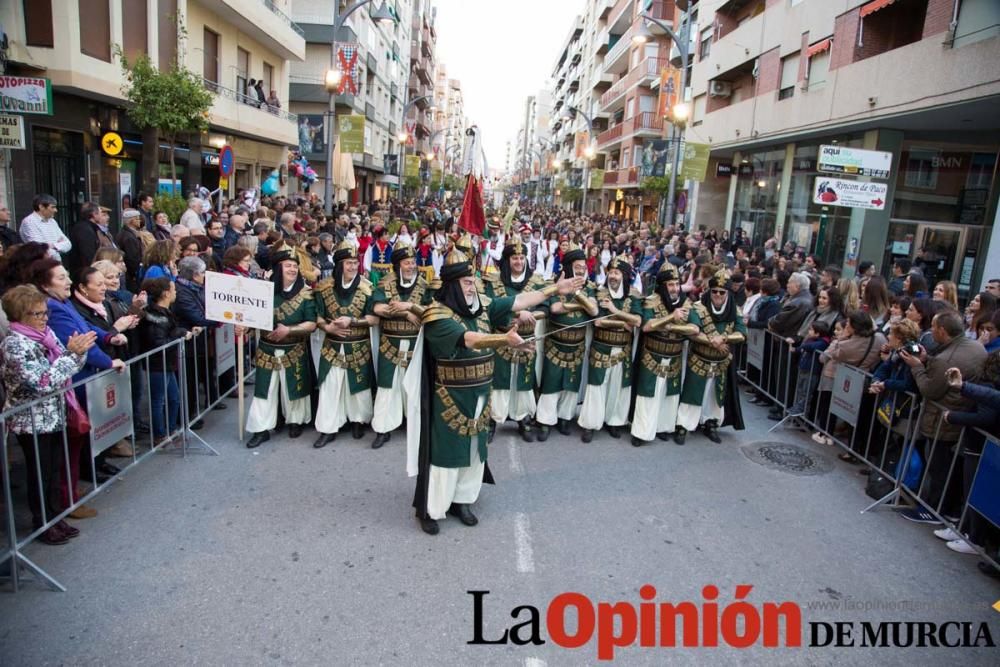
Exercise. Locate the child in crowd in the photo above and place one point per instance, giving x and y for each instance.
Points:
(810, 366)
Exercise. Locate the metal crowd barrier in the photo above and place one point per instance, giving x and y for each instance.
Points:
(771, 369)
(112, 414)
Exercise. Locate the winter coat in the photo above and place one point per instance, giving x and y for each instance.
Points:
(159, 327)
(793, 311)
(28, 375)
(966, 355)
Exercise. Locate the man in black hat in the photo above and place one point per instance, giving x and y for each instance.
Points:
(565, 344)
(448, 384)
(608, 392)
(284, 378)
(513, 394)
(345, 366)
(399, 302)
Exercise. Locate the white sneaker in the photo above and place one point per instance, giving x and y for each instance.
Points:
(948, 535)
(961, 546)
(819, 438)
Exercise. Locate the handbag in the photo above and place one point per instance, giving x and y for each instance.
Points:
(77, 421)
(889, 417)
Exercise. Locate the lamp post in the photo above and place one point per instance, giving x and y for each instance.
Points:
(588, 154)
(403, 136)
(332, 82)
(680, 110)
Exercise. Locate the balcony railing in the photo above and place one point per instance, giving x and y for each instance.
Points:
(650, 67)
(283, 17)
(610, 134)
(620, 8)
(646, 121)
(629, 176)
(249, 100)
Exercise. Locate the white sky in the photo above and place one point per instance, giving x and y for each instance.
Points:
(502, 52)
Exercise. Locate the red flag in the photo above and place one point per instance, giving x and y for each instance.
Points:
(473, 217)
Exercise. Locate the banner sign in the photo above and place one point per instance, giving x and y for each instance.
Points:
(25, 94)
(848, 388)
(411, 166)
(596, 179)
(655, 155)
(695, 165)
(582, 141)
(755, 348)
(347, 62)
(352, 133)
(390, 163)
(670, 91)
(850, 194)
(225, 348)
(984, 497)
(12, 132)
(854, 161)
(239, 300)
(109, 407)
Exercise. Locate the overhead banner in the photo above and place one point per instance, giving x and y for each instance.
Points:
(845, 400)
(352, 133)
(670, 86)
(25, 94)
(854, 161)
(850, 194)
(390, 163)
(655, 154)
(695, 165)
(12, 132)
(596, 179)
(109, 408)
(239, 300)
(411, 166)
(225, 348)
(348, 56)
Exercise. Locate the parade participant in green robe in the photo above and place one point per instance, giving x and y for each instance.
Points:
(398, 301)
(710, 397)
(666, 323)
(513, 394)
(451, 377)
(343, 304)
(565, 345)
(608, 392)
(284, 369)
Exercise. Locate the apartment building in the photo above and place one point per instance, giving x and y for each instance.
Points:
(534, 154)
(382, 63)
(774, 80)
(228, 42)
(449, 121)
(419, 121)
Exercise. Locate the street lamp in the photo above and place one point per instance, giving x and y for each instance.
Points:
(403, 136)
(333, 78)
(680, 110)
(588, 153)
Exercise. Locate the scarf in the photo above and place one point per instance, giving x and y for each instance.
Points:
(48, 341)
(93, 305)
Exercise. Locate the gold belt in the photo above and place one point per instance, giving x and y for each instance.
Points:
(516, 356)
(568, 336)
(470, 372)
(671, 369)
(270, 362)
(707, 368)
(459, 423)
(562, 359)
(663, 346)
(401, 328)
(360, 356)
(612, 337)
(393, 354)
(709, 353)
(603, 360)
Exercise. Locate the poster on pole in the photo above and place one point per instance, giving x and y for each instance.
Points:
(109, 408)
(670, 92)
(755, 348)
(695, 164)
(848, 388)
(596, 179)
(850, 194)
(352, 133)
(225, 348)
(854, 161)
(411, 166)
(238, 300)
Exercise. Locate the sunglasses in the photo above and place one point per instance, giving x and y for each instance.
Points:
(718, 291)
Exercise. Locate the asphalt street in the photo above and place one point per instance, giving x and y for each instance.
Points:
(290, 555)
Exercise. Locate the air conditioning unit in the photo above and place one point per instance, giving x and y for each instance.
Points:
(719, 89)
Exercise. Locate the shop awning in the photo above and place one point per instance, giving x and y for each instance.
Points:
(819, 47)
(874, 6)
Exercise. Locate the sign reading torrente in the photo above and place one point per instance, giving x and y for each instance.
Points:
(854, 161)
(238, 300)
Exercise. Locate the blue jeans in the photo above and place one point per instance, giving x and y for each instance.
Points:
(165, 401)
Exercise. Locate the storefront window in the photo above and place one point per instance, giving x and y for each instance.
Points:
(943, 183)
(757, 190)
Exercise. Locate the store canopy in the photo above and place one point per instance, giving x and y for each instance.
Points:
(819, 47)
(874, 6)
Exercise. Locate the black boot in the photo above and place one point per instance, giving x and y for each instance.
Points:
(463, 513)
(324, 439)
(257, 438)
(295, 430)
(543, 432)
(357, 430)
(588, 435)
(429, 526)
(615, 432)
(493, 431)
(711, 431)
(664, 436)
(563, 426)
(638, 442)
(380, 439)
(524, 428)
(680, 435)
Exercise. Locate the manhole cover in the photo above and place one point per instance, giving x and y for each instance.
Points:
(787, 458)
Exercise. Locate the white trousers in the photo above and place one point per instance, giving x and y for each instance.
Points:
(337, 405)
(690, 416)
(456, 485)
(390, 403)
(657, 413)
(511, 403)
(552, 407)
(606, 403)
(263, 413)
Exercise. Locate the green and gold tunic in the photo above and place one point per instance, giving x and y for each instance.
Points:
(506, 357)
(295, 359)
(564, 349)
(706, 362)
(462, 378)
(353, 352)
(605, 340)
(396, 329)
(657, 346)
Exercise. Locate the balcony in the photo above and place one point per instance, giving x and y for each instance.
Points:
(621, 15)
(604, 8)
(645, 74)
(622, 177)
(602, 81)
(603, 42)
(236, 112)
(610, 135)
(644, 124)
(616, 60)
(264, 22)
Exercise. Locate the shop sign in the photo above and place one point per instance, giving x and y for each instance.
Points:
(111, 143)
(854, 161)
(12, 132)
(723, 170)
(850, 194)
(210, 159)
(25, 94)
